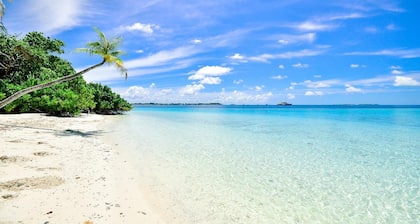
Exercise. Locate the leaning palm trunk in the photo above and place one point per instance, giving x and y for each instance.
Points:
(31, 89)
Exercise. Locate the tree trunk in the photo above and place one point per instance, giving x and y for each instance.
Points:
(31, 89)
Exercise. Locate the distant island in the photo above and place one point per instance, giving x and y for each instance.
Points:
(179, 104)
(284, 104)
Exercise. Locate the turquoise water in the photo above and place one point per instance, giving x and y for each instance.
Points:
(268, 164)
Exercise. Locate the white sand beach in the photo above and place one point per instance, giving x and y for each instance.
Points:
(57, 170)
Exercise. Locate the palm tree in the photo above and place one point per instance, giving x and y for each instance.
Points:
(2, 8)
(107, 49)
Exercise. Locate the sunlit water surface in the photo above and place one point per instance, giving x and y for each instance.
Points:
(268, 164)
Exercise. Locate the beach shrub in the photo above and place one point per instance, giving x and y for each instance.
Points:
(108, 102)
(35, 59)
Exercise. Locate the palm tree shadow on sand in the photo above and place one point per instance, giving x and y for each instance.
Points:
(71, 132)
(59, 132)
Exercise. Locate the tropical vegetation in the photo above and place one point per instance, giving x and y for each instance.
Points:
(33, 77)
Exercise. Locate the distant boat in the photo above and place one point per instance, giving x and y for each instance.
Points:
(284, 104)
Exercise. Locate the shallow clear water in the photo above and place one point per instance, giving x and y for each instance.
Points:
(262, 164)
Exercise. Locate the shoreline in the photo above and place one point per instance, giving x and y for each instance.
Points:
(60, 170)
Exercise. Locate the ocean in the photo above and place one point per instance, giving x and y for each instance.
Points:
(277, 164)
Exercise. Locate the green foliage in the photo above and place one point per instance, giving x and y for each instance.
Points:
(108, 102)
(34, 60)
(107, 49)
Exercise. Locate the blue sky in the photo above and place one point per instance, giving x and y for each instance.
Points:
(242, 51)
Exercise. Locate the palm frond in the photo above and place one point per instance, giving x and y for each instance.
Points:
(107, 49)
(2, 8)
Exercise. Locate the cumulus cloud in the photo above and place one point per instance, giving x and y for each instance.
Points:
(207, 75)
(314, 93)
(191, 89)
(279, 77)
(240, 97)
(238, 58)
(211, 80)
(352, 89)
(144, 94)
(144, 28)
(281, 67)
(208, 71)
(405, 81)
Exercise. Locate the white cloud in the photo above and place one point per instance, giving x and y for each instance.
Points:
(284, 42)
(281, 67)
(210, 71)
(405, 81)
(377, 81)
(314, 93)
(196, 41)
(191, 89)
(191, 94)
(50, 17)
(265, 58)
(240, 97)
(279, 77)
(395, 67)
(108, 73)
(357, 66)
(352, 89)
(344, 17)
(317, 76)
(211, 80)
(300, 65)
(165, 57)
(292, 86)
(140, 51)
(401, 53)
(259, 88)
(144, 94)
(237, 82)
(145, 28)
(317, 85)
(292, 39)
(238, 57)
(312, 26)
(291, 96)
(397, 72)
